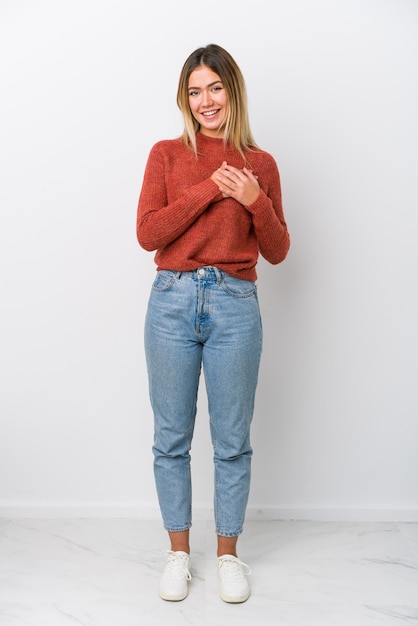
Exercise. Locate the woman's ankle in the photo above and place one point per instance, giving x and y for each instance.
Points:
(227, 545)
(180, 541)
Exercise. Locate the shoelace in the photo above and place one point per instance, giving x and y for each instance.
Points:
(233, 569)
(177, 565)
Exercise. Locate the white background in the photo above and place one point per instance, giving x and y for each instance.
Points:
(86, 88)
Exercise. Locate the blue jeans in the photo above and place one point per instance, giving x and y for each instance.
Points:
(211, 319)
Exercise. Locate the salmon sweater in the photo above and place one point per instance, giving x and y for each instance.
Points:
(185, 218)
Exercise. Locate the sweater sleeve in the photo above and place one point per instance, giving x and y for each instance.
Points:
(268, 217)
(159, 222)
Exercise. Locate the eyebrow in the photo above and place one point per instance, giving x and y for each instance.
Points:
(210, 84)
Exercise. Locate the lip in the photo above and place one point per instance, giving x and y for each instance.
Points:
(208, 115)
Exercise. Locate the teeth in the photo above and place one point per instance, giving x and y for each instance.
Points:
(210, 113)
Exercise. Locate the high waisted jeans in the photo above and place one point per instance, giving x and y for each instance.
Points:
(204, 317)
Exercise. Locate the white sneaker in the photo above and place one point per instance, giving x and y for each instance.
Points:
(232, 577)
(174, 581)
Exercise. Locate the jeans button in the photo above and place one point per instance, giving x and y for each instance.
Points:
(201, 271)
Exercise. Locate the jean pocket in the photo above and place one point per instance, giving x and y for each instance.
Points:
(238, 287)
(164, 280)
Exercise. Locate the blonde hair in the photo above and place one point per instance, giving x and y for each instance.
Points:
(236, 129)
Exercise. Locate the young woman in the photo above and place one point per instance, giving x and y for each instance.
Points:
(209, 204)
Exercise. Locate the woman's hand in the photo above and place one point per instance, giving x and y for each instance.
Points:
(241, 185)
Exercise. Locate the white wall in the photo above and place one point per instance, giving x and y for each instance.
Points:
(86, 88)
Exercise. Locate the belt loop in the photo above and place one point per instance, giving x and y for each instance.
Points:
(178, 274)
(219, 274)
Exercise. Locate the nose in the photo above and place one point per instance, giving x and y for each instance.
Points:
(207, 98)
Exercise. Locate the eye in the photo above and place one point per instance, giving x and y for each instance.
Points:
(217, 88)
(193, 93)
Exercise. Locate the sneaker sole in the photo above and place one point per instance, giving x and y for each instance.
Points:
(171, 598)
(234, 599)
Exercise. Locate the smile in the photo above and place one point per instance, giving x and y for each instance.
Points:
(210, 113)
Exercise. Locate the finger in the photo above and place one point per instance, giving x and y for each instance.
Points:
(234, 172)
(249, 173)
(227, 179)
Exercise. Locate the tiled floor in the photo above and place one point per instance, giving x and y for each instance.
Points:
(105, 573)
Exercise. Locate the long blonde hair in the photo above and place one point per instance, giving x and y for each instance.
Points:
(236, 130)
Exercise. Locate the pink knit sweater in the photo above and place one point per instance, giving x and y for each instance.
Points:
(184, 217)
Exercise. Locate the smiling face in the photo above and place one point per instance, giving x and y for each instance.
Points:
(208, 100)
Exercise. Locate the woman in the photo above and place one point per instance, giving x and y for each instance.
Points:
(209, 204)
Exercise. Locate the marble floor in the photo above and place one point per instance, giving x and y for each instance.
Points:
(104, 572)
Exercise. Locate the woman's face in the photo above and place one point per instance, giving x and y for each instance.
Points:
(208, 100)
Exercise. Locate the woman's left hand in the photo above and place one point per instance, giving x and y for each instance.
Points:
(242, 185)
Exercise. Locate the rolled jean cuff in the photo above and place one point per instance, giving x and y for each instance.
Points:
(178, 530)
(220, 533)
